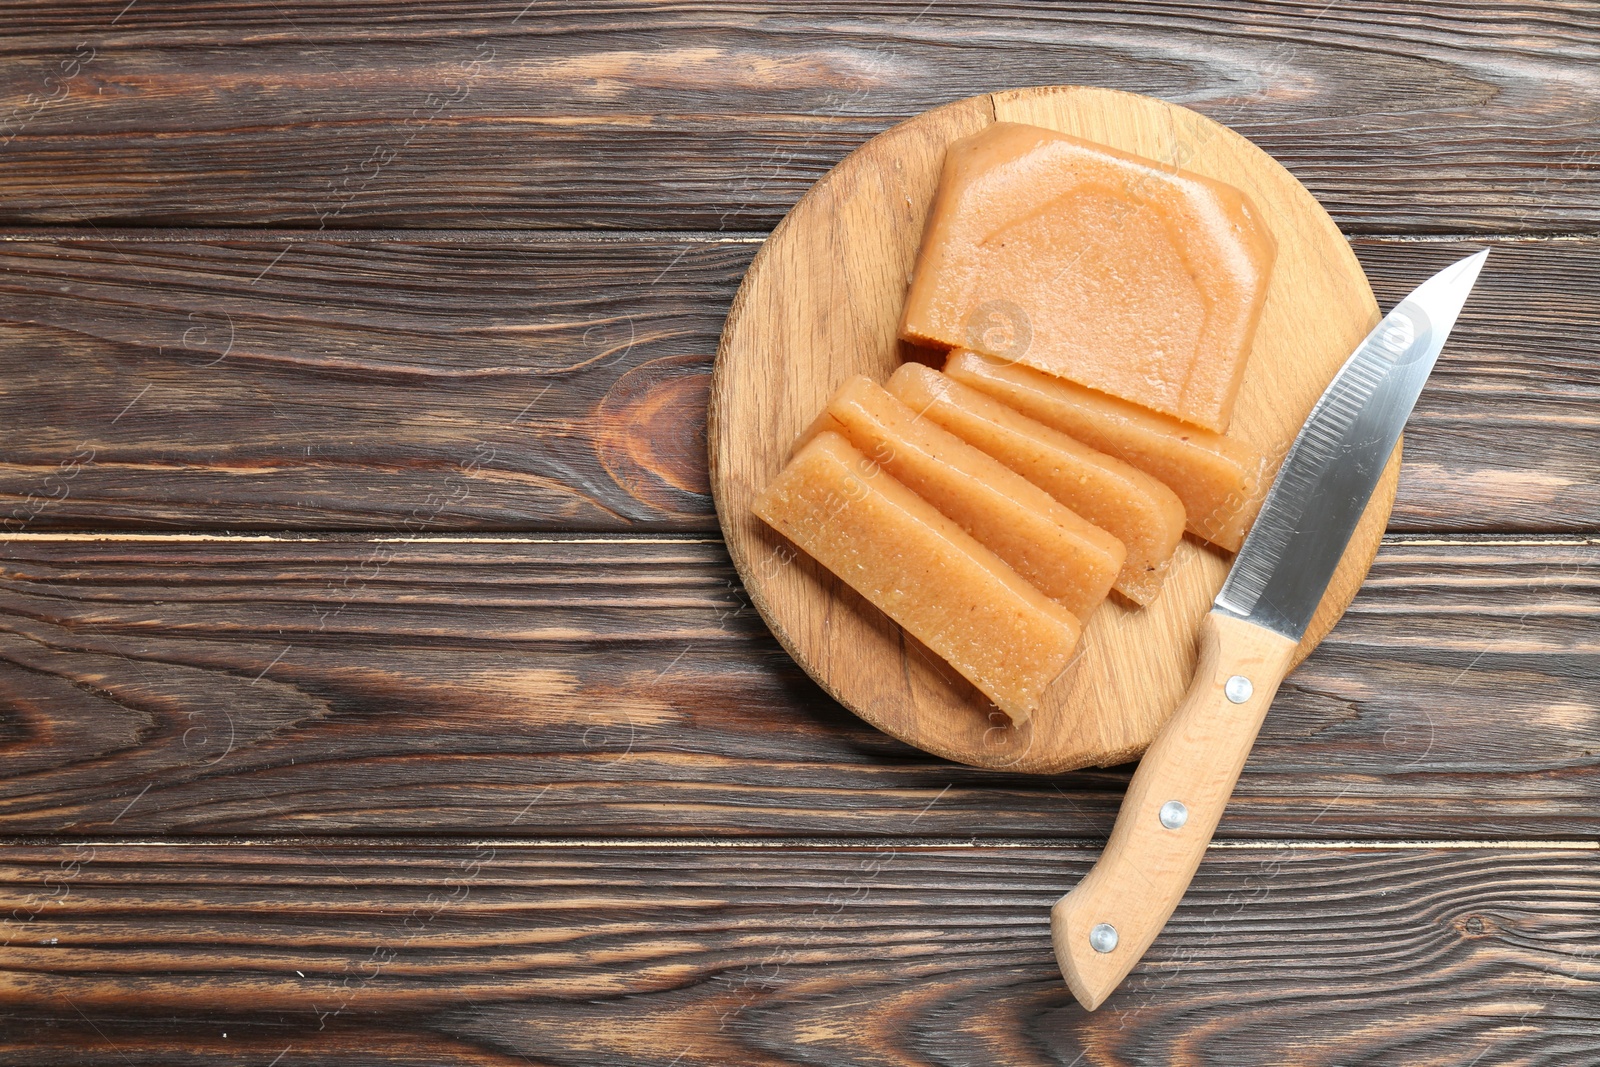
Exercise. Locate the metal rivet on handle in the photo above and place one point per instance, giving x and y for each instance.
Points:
(1238, 689)
(1174, 814)
(1103, 938)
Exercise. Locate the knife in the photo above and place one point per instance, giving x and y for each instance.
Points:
(1105, 924)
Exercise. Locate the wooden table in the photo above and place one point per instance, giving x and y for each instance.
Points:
(374, 687)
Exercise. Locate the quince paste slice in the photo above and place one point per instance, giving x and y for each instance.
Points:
(1061, 553)
(1138, 510)
(1116, 272)
(1221, 481)
(922, 571)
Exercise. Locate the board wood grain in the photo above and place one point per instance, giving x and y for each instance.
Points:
(560, 114)
(440, 381)
(595, 687)
(822, 302)
(402, 952)
(366, 370)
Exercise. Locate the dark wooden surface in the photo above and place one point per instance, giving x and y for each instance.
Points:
(499, 952)
(374, 687)
(465, 113)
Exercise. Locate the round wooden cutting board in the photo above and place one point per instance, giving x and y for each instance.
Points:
(822, 301)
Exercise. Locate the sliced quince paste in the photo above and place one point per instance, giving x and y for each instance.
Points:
(1061, 553)
(922, 571)
(1138, 510)
(1220, 480)
(1114, 271)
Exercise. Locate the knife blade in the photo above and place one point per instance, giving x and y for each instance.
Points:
(1104, 925)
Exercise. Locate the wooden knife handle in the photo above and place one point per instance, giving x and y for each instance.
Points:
(1155, 847)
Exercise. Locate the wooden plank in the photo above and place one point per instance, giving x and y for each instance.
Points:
(506, 114)
(873, 953)
(403, 382)
(511, 381)
(599, 688)
(1505, 435)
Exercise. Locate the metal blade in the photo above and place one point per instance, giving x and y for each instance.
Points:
(1289, 557)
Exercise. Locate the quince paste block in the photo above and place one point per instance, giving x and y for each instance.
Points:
(1119, 273)
(1138, 510)
(923, 571)
(1064, 555)
(1221, 481)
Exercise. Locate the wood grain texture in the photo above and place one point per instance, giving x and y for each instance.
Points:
(401, 953)
(382, 381)
(1516, 368)
(406, 382)
(558, 114)
(822, 303)
(626, 688)
(367, 369)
